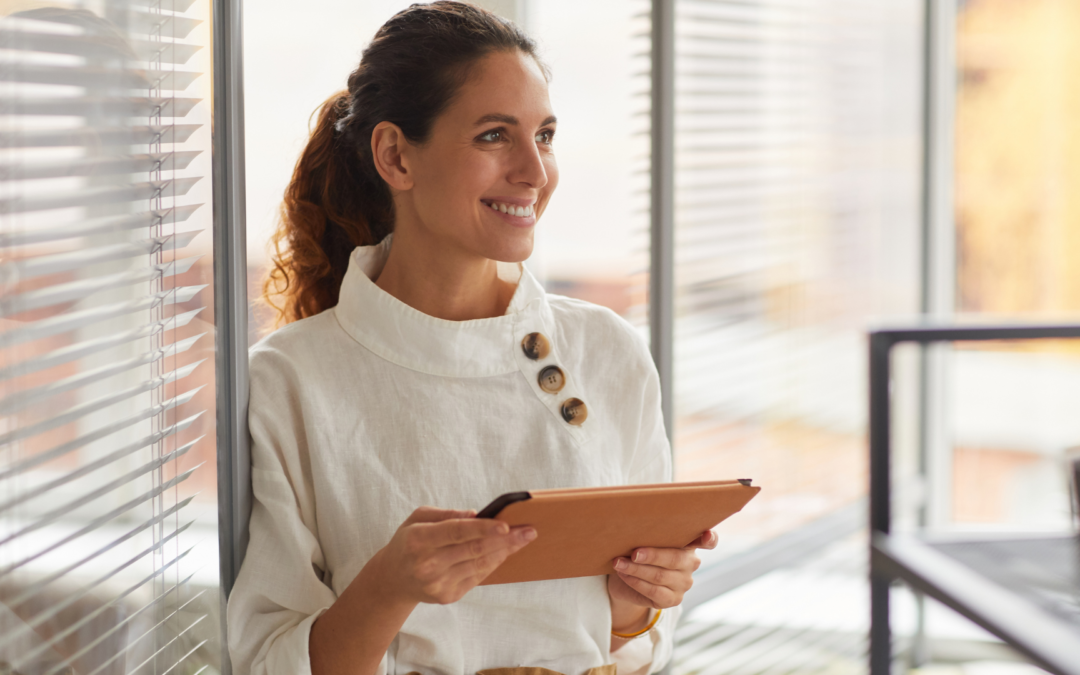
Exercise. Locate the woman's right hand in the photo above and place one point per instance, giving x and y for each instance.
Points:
(439, 555)
(436, 556)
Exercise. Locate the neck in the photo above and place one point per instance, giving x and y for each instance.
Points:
(443, 282)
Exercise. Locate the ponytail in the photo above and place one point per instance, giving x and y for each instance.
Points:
(331, 206)
(336, 199)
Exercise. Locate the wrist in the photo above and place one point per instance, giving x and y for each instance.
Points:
(628, 618)
(383, 587)
(355, 632)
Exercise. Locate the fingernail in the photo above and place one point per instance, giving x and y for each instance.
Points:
(527, 535)
(502, 528)
(639, 556)
(621, 563)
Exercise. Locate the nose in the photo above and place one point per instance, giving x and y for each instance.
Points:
(528, 168)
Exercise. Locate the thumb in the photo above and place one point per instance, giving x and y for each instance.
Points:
(430, 514)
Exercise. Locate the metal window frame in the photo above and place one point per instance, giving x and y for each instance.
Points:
(662, 206)
(1040, 646)
(230, 299)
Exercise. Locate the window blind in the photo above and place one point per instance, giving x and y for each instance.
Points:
(796, 167)
(796, 203)
(106, 365)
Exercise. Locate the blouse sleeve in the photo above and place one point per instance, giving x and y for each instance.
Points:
(651, 463)
(279, 592)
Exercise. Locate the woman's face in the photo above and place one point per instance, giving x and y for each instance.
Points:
(487, 171)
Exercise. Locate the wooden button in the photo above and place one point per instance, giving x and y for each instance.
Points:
(574, 411)
(552, 379)
(536, 346)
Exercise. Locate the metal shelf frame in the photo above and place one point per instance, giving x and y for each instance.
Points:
(1048, 641)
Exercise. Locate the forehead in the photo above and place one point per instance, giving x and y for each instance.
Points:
(509, 83)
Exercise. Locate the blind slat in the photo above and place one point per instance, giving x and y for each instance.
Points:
(29, 268)
(102, 461)
(60, 512)
(147, 219)
(161, 650)
(39, 458)
(78, 290)
(132, 642)
(93, 47)
(97, 523)
(63, 323)
(99, 78)
(100, 136)
(120, 625)
(87, 347)
(185, 657)
(97, 166)
(46, 645)
(26, 398)
(99, 196)
(101, 106)
(167, 5)
(98, 404)
(35, 588)
(177, 27)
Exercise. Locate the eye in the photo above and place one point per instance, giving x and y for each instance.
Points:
(546, 136)
(493, 136)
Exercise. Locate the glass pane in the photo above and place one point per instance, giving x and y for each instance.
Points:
(1017, 243)
(108, 489)
(796, 223)
(796, 226)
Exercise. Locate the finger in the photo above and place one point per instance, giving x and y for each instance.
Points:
(671, 558)
(708, 541)
(515, 539)
(430, 514)
(472, 571)
(659, 597)
(459, 531)
(677, 580)
(631, 595)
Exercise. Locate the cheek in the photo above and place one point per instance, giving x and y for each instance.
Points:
(552, 169)
(452, 180)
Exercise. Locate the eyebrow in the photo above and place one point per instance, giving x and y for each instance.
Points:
(508, 119)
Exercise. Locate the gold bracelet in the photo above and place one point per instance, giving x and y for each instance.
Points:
(644, 630)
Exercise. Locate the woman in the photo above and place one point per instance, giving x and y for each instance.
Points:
(427, 372)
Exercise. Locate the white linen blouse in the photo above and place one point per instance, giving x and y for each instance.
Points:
(366, 411)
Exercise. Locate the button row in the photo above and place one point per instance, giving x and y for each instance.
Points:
(552, 379)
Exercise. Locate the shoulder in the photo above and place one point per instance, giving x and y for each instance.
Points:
(597, 330)
(293, 348)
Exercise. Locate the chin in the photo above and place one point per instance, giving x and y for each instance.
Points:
(512, 251)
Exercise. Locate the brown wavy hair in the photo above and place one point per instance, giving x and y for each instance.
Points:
(336, 199)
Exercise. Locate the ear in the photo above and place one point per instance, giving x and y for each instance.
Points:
(388, 149)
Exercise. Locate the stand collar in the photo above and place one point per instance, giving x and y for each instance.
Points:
(409, 338)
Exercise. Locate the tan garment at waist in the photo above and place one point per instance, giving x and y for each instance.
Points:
(601, 670)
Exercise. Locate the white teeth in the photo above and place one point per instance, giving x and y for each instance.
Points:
(519, 211)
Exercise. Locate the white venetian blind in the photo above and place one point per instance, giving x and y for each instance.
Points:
(796, 221)
(105, 341)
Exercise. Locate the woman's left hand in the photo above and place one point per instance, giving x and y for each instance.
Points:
(655, 578)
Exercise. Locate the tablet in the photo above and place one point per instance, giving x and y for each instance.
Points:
(581, 530)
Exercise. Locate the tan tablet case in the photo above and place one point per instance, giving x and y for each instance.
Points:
(581, 530)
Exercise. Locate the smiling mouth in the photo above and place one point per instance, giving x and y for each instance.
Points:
(510, 209)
